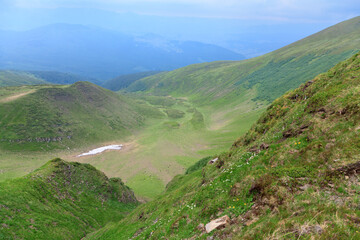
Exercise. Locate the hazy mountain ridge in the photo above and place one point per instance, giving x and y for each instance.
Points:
(271, 75)
(99, 53)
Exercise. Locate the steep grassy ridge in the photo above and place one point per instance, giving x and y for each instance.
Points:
(61, 200)
(14, 78)
(294, 175)
(67, 116)
(271, 75)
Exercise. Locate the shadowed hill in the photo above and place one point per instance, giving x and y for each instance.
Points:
(67, 116)
(270, 75)
(293, 175)
(61, 200)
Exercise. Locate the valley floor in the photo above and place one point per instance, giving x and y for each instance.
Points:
(155, 154)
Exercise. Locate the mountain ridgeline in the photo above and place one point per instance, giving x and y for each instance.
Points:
(59, 117)
(61, 200)
(293, 175)
(267, 77)
(100, 53)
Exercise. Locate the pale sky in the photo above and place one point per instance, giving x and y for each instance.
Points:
(252, 27)
(272, 10)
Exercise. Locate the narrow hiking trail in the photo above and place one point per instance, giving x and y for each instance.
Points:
(15, 96)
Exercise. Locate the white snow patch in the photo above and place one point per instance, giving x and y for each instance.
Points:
(100, 150)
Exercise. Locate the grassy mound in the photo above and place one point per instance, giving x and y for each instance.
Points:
(61, 200)
(60, 117)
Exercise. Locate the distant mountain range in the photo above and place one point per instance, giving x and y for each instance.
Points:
(99, 53)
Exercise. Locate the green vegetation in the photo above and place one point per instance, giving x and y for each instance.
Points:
(61, 117)
(15, 78)
(61, 200)
(214, 102)
(124, 81)
(293, 175)
(174, 113)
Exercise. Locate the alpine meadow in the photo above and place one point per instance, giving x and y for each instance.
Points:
(154, 120)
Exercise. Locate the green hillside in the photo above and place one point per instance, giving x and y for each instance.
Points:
(293, 175)
(227, 97)
(63, 117)
(124, 81)
(269, 76)
(61, 200)
(14, 78)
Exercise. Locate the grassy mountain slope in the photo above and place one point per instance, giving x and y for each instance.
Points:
(48, 117)
(124, 81)
(270, 75)
(293, 175)
(14, 78)
(61, 200)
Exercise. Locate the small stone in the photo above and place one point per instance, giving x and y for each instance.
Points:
(347, 177)
(213, 160)
(217, 223)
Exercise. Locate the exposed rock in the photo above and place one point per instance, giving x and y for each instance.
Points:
(217, 223)
(213, 160)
